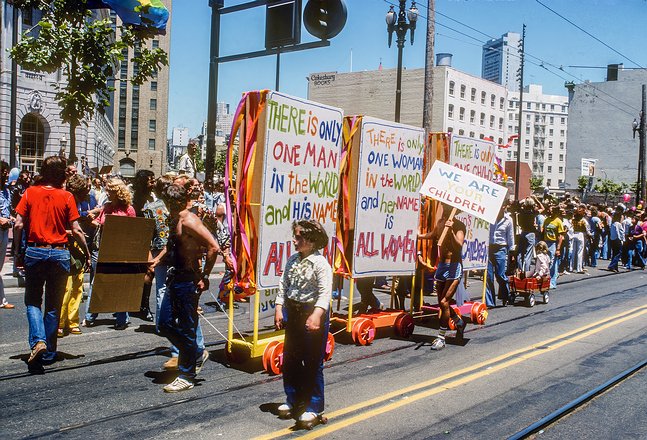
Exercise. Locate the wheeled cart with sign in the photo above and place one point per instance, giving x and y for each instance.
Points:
(363, 327)
(528, 288)
(288, 151)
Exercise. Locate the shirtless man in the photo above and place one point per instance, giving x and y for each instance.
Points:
(188, 238)
(449, 271)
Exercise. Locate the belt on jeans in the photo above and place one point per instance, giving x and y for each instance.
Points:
(47, 245)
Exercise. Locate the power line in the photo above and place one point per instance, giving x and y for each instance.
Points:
(539, 63)
(589, 34)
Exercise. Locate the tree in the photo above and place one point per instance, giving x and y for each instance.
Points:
(221, 162)
(608, 187)
(86, 50)
(536, 184)
(582, 184)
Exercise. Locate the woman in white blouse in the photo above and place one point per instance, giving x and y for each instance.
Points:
(302, 308)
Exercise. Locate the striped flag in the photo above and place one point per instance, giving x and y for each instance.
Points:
(145, 13)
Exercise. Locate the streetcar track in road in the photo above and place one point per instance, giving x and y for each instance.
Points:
(541, 347)
(578, 402)
(160, 351)
(413, 393)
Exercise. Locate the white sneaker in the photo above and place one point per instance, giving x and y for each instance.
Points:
(438, 344)
(284, 411)
(178, 385)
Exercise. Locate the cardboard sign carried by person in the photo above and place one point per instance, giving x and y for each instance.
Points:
(464, 191)
(122, 264)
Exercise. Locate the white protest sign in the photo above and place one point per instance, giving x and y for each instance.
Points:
(388, 202)
(300, 178)
(266, 304)
(465, 191)
(476, 156)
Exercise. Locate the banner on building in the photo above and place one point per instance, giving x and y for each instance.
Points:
(588, 167)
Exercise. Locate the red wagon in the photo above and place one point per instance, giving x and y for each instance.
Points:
(528, 288)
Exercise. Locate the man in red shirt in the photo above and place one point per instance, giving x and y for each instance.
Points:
(47, 211)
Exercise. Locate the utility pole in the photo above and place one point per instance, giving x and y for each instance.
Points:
(517, 170)
(643, 147)
(13, 106)
(212, 108)
(427, 109)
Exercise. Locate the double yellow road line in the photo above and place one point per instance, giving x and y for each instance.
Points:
(456, 378)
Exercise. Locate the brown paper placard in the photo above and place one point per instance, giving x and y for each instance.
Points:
(123, 240)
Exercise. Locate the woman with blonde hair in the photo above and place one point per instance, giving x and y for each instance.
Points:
(119, 203)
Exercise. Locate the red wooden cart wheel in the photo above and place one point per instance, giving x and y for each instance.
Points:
(234, 356)
(478, 313)
(330, 347)
(363, 331)
(404, 325)
(276, 359)
(267, 355)
(451, 323)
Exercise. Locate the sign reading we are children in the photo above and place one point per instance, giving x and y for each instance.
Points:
(388, 201)
(300, 178)
(465, 191)
(476, 156)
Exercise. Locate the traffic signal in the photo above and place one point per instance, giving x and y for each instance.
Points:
(282, 23)
(325, 18)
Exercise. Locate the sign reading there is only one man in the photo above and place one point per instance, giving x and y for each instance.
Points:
(464, 191)
(302, 154)
(389, 176)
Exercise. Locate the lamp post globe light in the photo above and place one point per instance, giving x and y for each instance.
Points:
(398, 23)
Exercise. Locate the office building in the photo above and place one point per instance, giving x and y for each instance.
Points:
(501, 60)
(140, 113)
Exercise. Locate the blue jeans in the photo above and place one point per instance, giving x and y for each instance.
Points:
(524, 250)
(164, 315)
(121, 317)
(639, 252)
(46, 268)
(616, 254)
(496, 268)
(303, 354)
(554, 263)
(181, 328)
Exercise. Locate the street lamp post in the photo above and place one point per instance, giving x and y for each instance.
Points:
(401, 26)
(63, 143)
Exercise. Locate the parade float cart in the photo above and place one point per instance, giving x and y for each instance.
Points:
(472, 195)
(122, 261)
(288, 169)
(528, 288)
(380, 176)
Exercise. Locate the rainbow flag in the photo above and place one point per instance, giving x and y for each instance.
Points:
(145, 13)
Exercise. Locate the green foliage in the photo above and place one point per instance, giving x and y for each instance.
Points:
(197, 159)
(221, 161)
(536, 184)
(86, 51)
(582, 183)
(609, 187)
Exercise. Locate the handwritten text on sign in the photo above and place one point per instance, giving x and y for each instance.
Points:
(476, 156)
(388, 201)
(464, 191)
(300, 178)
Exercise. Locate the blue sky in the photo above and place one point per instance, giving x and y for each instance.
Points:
(620, 24)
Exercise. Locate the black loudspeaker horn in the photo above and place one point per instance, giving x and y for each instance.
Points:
(325, 18)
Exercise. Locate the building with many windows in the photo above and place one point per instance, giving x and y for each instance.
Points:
(543, 133)
(140, 113)
(468, 105)
(39, 130)
(501, 60)
(462, 103)
(600, 125)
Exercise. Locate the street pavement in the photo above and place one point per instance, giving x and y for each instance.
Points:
(522, 365)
